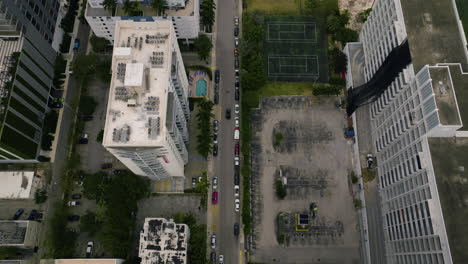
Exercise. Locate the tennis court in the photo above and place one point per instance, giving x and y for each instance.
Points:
(295, 49)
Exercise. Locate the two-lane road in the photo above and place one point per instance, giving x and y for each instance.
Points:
(226, 217)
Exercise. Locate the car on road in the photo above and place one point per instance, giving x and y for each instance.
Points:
(214, 198)
(236, 73)
(73, 203)
(236, 21)
(84, 138)
(236, 133)
(215, 183)
(236, 122)
(18, 214)
(217, 76)
(236, 95)
(215, 138)
(221, 259)
(76, 196)
(76, 45)
(73, 218)
(236, 42)
(236, 162)
(236, 85)
(213, 257)
(236, 150)
(194, 182)
(215, 150)
(237, 205)
(228, 113)
(236, 229)
(213, 241)
(35, 215)
(236, 179)
(106, 166)
(236, 31)
(236, 63)
(236, 109)
(236, 191)
(236, 52)
(89, 249)
(216, 98)
(215, 125)
(87, 117)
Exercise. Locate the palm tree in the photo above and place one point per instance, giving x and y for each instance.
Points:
(159, 6)
(110, 5)
(131, 8)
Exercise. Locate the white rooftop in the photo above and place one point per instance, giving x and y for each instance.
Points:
(16, 184)
(141, 68)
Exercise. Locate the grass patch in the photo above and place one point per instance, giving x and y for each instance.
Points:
(277, 7)
(462, 6)
(368, 175)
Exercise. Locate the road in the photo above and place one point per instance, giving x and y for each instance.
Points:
(224, 215)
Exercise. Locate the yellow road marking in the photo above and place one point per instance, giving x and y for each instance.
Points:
(241, 257)
(212, 67)
(214, 215)
(213, 54)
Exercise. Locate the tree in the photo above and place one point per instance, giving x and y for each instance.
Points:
(93, 185)
(40, 196)
(110, 5)
(159, 6)
(99, 44)
(278, 139)
(131, 8)
(363, 15)
(203, 46)
(207, 13)
(346, 35)
(337, 22)
(84, 66)
(87, 105)
(8, 252)
(204, 139)
(280, 190)
(89, 223)
(338, 60)
(103, 70)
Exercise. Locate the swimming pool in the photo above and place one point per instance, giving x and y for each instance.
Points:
(200, 89)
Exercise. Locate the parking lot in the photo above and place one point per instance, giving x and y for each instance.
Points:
(314, 160)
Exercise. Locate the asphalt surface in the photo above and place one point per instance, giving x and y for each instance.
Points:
(225, 216)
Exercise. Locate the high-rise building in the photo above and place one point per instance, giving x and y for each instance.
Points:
(419, 128)
(184, 15)
(147, 110)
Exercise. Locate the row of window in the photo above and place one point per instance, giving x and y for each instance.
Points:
(420, 259)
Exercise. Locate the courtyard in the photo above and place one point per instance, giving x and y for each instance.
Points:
(314, 161)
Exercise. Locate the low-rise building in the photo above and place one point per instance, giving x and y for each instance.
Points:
(18, 233)
(18, 184)
(163, 242)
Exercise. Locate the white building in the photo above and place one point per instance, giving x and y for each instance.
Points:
(418, 128)
(147, 110)
(184, 14)
(163, 242)
(18, 184)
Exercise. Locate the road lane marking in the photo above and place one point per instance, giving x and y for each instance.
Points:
(241, 256)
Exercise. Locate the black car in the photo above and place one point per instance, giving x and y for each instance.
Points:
(236, 85)
(237, 73)
(76, 196)
(228, 113)
(217, 76)
(215, 150)
(73, 218)
(236, 229)
(236, 63)
(216, 98)
(236, 180)
(35, 215)
(213, 257)
(18, 214)
(236, 31)
(87, 117)
(237, 95)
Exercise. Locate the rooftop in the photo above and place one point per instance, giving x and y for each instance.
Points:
(460, 82)
(16, 184)
(444, 95)
(138, 98)
(88, 261)
(147, 10)
(450, 162)
(163, 242)
(13, 232)
(433, 33)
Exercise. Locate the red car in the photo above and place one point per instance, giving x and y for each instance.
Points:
(214, 198)
(237, 150)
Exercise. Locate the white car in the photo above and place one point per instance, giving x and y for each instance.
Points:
(237, 205)
(221, 259)
(236, 133)
(236, 109)
(74, 203)
(213, 241)
(89, 249)
(236, 122)
(236, 21)
(236, 191)
(236, 42)
(215, 183)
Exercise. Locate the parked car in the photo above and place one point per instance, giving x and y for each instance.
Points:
(76, 196)
(215, 150)
(236, 191)
(216, 97)
(236, 52)
(213, 241)
(236, 63)
(236, 179)
(237, 205)
(236, 21)
(18, 214)
(217, 76)
(73, 218)
(236, 122)
(194, 182)
(236, 85)
(236, 150)
(84, 138)
(106, 166)
(221, 259)
(35, 215)
(236, 133)
(236, 95)
(76, 44)
(313, 209)
(215, 138)
(74, 203)
(236, 31)
(236, 229)
(215, 125)
(89, 249)
(214, 198)
(236, 73)
(87, 117)
(236, 109)
(236, 162)
(236, 42)
(213, 257)
(228, 113)
(215, 183)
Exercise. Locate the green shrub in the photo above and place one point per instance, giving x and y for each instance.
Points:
(357, 203)
(280, 190)
(326, 89)
(87, 105)
(278, 139)
(354, 178)
(40, 196)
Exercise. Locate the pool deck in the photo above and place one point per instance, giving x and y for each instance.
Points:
(193, 83)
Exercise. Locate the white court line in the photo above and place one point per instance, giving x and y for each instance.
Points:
(307, 58)
(305, 40)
